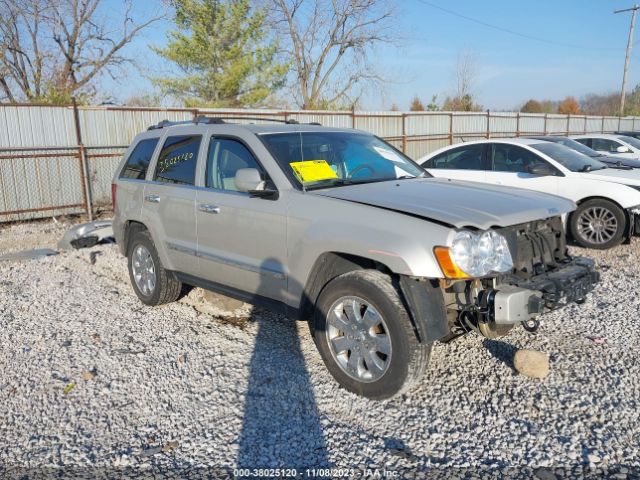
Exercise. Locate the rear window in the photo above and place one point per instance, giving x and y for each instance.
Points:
(138, 162)
(177, 160)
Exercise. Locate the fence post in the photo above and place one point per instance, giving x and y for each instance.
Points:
(545, 123)
(602, 126)
(450, 128)
(619, 121)
(353, 116)
(404, 132)
(568, 124)
(84, 166)
(488, 124)
(518, 124)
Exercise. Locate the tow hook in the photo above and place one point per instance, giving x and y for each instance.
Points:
(532, 325)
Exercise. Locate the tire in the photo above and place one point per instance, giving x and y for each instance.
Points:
(387, 375)
(166, 287)
(598, 224)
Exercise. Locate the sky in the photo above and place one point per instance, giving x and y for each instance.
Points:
(579, 48)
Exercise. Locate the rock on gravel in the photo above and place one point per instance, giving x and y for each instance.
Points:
(257, 395)
(531, 363)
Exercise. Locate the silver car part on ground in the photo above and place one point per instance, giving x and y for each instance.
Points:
(28, 254)
(86, 235)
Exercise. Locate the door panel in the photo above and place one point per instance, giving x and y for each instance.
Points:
(241, 239)
(169, 202)
(510, 165)
(169, 211)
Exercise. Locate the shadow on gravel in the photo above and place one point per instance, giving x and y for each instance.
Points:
(502, 351)
(281, 426)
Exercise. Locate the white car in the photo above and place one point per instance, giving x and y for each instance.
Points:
(608, 199)
(620, 146)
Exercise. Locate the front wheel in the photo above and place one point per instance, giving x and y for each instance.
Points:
(365, 337)
(598, 224)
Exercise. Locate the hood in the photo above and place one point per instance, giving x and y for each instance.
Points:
(455, 203)
(627, 177)
(629, 162)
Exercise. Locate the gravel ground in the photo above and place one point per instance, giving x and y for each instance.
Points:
(91, 378)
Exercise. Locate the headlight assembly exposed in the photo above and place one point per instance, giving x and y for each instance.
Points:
(475, 255)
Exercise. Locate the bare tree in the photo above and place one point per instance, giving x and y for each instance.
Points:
(466, 74)
(22, 58)
(52, 49)
(329, 42)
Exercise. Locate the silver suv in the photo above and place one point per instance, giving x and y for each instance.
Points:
(339, 228)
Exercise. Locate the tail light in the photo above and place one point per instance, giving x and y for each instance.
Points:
(114, 187)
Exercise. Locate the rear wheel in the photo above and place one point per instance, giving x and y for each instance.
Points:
(365, 336)
(153, 284)
(598, 224)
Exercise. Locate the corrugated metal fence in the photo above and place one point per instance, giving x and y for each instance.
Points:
(60, 160)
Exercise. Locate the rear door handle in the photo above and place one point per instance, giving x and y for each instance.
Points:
(152, 198)
(208, 208)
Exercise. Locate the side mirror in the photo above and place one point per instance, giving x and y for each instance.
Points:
(542, 169)
(622, 149)
(250, 181)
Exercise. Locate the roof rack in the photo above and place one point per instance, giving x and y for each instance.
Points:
(221, 120)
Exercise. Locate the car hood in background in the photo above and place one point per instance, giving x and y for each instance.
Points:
(453, 202)
(629, 162)
(627, 177)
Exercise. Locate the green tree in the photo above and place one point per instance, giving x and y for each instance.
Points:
(433, 104)
(466, 103)
(222, 49)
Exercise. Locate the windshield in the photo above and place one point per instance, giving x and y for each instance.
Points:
(330, 159)
(570, 159)
(634, 142)
(578, 147)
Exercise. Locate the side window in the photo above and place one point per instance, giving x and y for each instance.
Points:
(585, 141)
(605, 145)
(177, 160)
(138, 161)
(512, 158)
(225, 158)
(461, 158)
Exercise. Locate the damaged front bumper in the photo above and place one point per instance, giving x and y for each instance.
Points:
(515, 300)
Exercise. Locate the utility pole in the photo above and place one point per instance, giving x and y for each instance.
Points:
(623, 93)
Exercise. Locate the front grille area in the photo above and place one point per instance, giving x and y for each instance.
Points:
(537, 247)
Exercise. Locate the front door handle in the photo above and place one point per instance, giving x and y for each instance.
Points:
(208, 208)
(152, 198)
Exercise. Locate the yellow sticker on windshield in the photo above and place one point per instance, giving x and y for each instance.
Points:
(313, 170)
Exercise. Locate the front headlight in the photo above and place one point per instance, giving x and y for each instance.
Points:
(475, 255)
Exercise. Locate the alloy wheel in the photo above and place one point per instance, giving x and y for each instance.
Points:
(597, 225)
(144, 270)
(358, 339)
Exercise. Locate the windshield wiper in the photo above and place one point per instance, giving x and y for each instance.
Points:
(341, 182)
